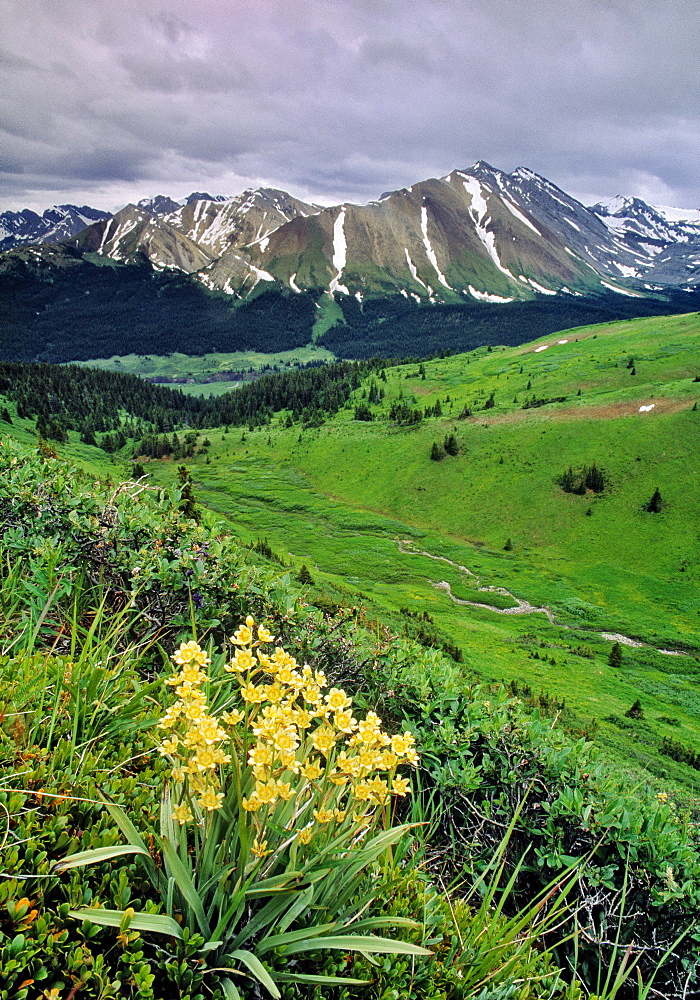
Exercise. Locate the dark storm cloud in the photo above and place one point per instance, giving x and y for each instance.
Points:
(343, 99)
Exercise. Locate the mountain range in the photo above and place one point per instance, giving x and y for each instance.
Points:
(476, 234)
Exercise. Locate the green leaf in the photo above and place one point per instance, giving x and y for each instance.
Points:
(254, 965)
(290, 977)
(185, 885)
(230, 991)
(155, 923)
(95, 856)
(356, 942)
(282, 940)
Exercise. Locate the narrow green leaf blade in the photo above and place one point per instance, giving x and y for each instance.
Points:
(94, 856)
(185, 885)
(154, 923)
(289, 937)
(290, 977)
(255, 966)
(357, 942)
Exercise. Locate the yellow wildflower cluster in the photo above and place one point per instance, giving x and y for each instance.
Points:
(194, 739)
(299, 741)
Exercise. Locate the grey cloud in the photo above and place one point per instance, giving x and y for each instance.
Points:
(347, 98)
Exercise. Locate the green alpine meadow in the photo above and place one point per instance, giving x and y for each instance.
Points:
(342, 677)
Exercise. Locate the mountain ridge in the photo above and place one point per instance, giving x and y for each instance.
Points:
(477, 233)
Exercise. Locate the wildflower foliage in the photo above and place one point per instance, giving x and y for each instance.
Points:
(292, 743)
(275, 828)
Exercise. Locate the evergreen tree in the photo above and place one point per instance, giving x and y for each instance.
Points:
(187, 501)
(655, 504)
(635, 711)
(436, 452)
(508, 547)
(451, 446)
(615, 656)
(305, 577)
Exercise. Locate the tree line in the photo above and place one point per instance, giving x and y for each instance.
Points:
(119, 406)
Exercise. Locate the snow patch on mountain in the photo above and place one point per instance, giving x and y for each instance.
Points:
(477, 211)
(340, 251)
(486, 297)
(519, 215)
(429, 247)
(412, 269)
(621, 291)
(541, 288)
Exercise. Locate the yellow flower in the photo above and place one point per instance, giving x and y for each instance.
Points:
(301, 718)
(312, 770)
(211, 800)
(263, 634)
(312, 694)
(252, 804)
(338, 700)
(266, 662)
(286, 740)
(260, 755)
(194, 711)
(178, 774)
(182, 813)
(363, 792)
(190, 651)
(204, 759)
(400, 786)
(284, 790)
(323, 815)
(662, 796)
(251, 693)
(232, 718)
(242, 661)
(345, 722)
(288, 759)
(323, 740)
(259, 850)
(339, 815)
(210, 731)
(191, 674)
(348, 765)
(286, 675)
(168, 746)
(266, 793)
(305, 835)
(274, 692)
(243, 636)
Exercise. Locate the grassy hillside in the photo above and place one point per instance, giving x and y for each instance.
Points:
(342, 496)
(374, 519)
(421, 579)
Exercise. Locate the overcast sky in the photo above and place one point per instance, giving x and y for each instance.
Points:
(107, 101)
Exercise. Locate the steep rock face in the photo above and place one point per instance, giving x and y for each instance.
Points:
(134, 234)
(441, 239)
(162, 204)
(478, 233)
(250, 217)
(55, 224)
